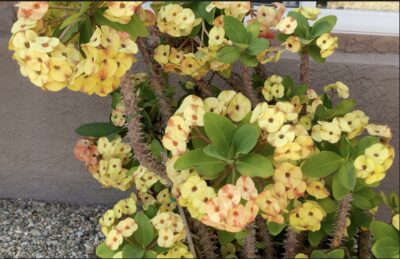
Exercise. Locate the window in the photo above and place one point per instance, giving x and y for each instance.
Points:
(357, 17)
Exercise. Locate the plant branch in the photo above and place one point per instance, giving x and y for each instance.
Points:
(188, 234)
(263, 235)
(135, 129)
(248, 88)
(156, 82)
(363, 241)
(261, 71)
(204, 89)
(343, 212)
(206, 239)
(249, 247)
(304, 67)
(290, 243)
(65, 8)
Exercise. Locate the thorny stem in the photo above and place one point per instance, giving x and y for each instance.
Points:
(188, 233)
(363, 239)
(135, 130)
(65, 8)
(249, 247)
(344, 209)
(248, 88)
(269, 251)
(290, 243)
(261, 71)
(204, 89)
(205, 241)
(155, 80)
(305, 67)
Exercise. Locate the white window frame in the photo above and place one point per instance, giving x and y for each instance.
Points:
(361, 21)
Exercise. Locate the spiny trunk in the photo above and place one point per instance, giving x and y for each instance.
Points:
(204, 88)
(340, 229)
(249, 247)
(363, 242)
(305, 67)
(290, 243)
(263, 235)
(248, 88)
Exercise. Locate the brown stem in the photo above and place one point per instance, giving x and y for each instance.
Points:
(135, 129)
(263, 235)
(340, 230)
(261, 71)
(249, 247)
(205, 241)
(201, 136)
(155, 80)
(305, 67)
(290, 243)
(248, 88)
(364, 237)
(204, 89)
(188, 233)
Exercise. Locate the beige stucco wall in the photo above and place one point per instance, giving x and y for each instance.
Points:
(37, 128)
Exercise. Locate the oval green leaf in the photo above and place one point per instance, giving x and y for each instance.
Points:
(219, 130)
(132, 251)
(228, 54)
(103, 251)
(145, 232)
(254, 165)
(347, 175)
(245, 139)
(386, 247)
(322, 164)
(381, 229)
(257, 46)
(97, 129)
(235, 30)
(337, 189)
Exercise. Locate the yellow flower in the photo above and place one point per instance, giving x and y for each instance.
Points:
(161, 54)
(163, 196)
(327, 43)
(377, 175)
(175, 56)
(396, 221)
(147, 200)
(185, 19)
(216, 36)
(272, 202)
(288, 109)
(382, 131)
(23, 24)
(212, 104)
(287, 25)
(342, 123)
(177, 129)
(282, 137)
(247, 188)
(290, 151)
(60, 70)
(32, 10)
(271, 54)
(165, 238)
(108, 218)
(342, 89)
(126, 227)
(114, 239)
(266, 15)
(162, 221)
(293, 44)
(329, 132)
(307, 216)
(364, 166)
(305, 121)
(273, 88)
(317, 189)
(311, 13)
(45, 44)
(301, 256)
(238, 9)
(128, 206)
(226, 96)
(121, 12)
(110, 38)
(238, 107)
(271, 120)
(258, 111)
(307, 145)
(378, 152)
(292, 177)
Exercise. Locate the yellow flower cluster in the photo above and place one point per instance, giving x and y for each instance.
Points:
(269, 16)
(170, 229)
(144, 179)
(237, 9)
(114, 155)
(273, 88)
(176, 20)
(121, 11)
(307, 216)
(327, 43)
(118, 115)
(51, 65)
(116, 229)
(226, 211)
(317, 188)
(311, 13)
(272, 202)
(352, 123)
(292, 178)
(373, 164)
(342, 89)
(180, 250)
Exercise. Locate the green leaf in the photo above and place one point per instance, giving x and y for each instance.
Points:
(228, 54)
(315, 237)
(212, 151)
(254, 165)
(322, 164)
(381, 229)
(347, 175)
(345, 146)
(338, 190)
(235, 30)
(282, 37)
(328, 205)
(318, 254)
(151, 211)
(321, 113)
(156, 148)
(103, 251)
(300, 90)
(337, 253)
(199, 8)
(386, 247)
(363, 144)
(76, 17)
(245, 139)
(320, 28)
(135, 27)
(196, 140)
(314, 52)
(254, 29)
(361, 218)
(219, 130)
(303, 28)
(97, 129)
(345, 106)
(85, 31)
(145, 232)
(275, 228)
(132, 251)
(71, 31)
(257, 46)
(330, 19)
(207, 166)
(248, 61)
(225, 237)
(150, 254)
(361, 202)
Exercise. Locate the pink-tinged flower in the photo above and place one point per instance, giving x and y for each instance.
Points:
(216, 211)
(251, 211)
(85, 150)
(236, 217)
(247, 188)
(229, 195)
(32, 10)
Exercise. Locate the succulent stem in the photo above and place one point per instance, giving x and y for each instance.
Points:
(263, 235)
(248, 88)
(188, 233)
(204, 88)
(305, 67)
(364, 237)
(290, 243)
(340, 230)
(249, 247)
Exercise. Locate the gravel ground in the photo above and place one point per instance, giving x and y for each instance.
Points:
(40, 229)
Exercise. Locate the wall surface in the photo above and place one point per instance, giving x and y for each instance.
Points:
(37, 128)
